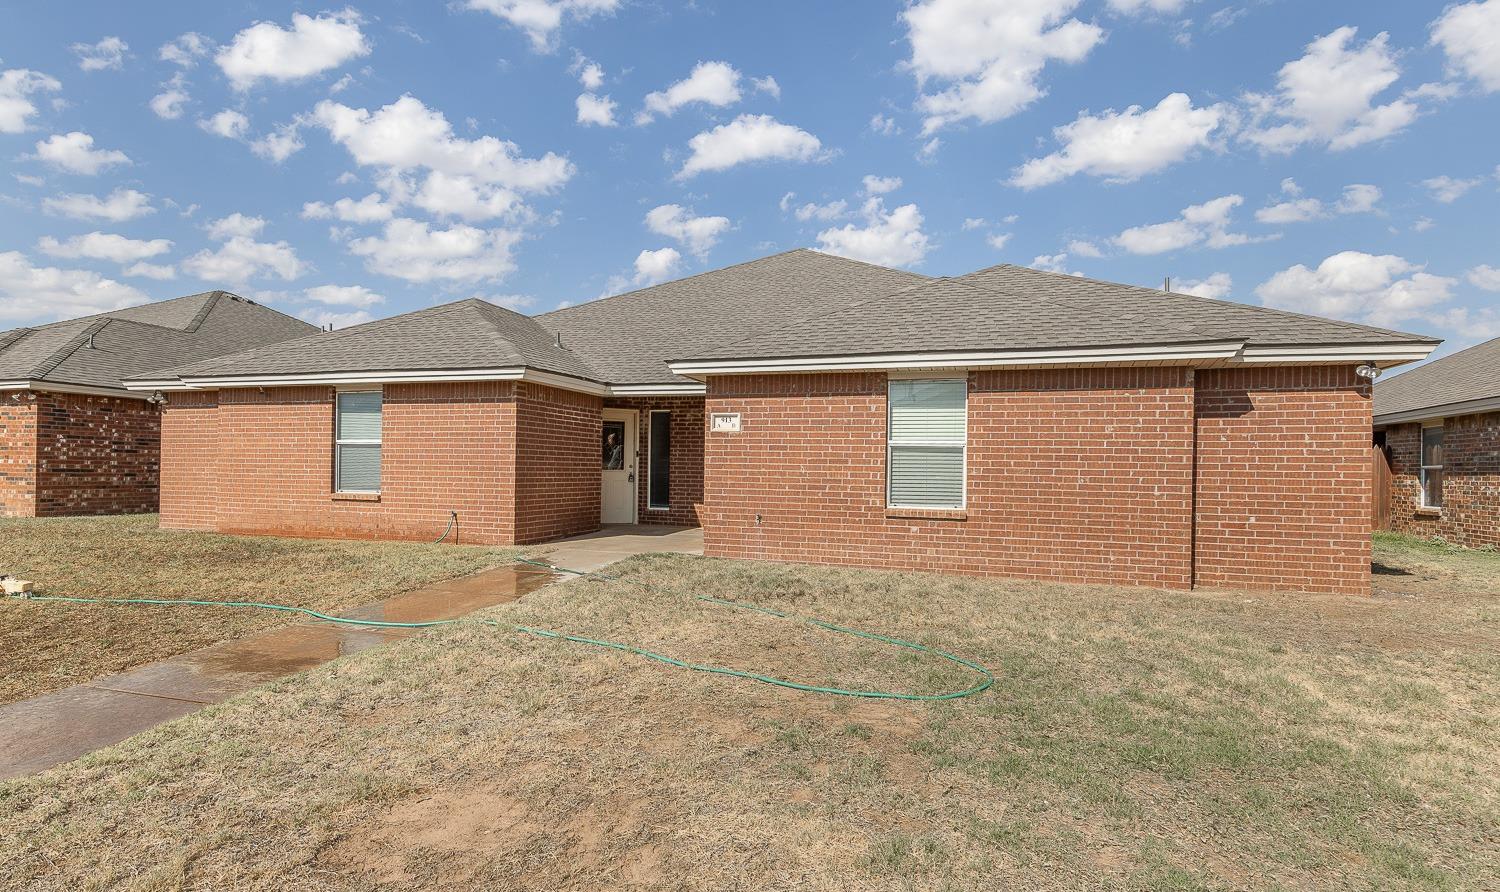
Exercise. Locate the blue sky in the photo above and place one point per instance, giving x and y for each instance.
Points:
(1336, 158)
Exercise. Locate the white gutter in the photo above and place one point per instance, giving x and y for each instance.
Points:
(657, 389)
(1177, 353)
(1383, 355)
(77, 389)
(420, 376)
(1444, 410)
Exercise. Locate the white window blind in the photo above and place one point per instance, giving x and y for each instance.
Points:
(927, 432)
(357, 446)
(1432, 467)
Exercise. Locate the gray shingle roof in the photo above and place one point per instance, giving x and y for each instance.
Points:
(630, 338)
(130, 342)
(466, 334)
(1203, 315)
(1472, 374)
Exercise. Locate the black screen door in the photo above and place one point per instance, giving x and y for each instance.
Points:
(660, 490)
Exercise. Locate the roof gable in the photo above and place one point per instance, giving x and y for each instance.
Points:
(1462, 377)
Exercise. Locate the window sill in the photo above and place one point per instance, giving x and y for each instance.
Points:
(1429, 512)
(926, 514)
(355, 496)
(658, 507)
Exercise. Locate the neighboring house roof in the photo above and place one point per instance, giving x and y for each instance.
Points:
(1466, 381)
(98, 352)
(804, 303)
(465, 335)
(630, 337)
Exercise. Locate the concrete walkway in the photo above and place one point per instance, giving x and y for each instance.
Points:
(53, 728)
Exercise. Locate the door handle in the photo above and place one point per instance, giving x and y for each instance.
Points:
(630, 478)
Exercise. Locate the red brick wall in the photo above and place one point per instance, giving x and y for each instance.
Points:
(557, 463)
(262, 463)
(1077, 475)
(96, 455)
(1471, 480)
(1284, 479)
(1074, 475)
(17, 455)
(686, 459)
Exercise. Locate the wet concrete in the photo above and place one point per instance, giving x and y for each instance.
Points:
(618, 541)
(54, 728)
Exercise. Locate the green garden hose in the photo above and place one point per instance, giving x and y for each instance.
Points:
(987, 678)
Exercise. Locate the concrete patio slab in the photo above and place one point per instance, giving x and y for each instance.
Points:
(615, 542)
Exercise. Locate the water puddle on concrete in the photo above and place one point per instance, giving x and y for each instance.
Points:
(44, 731)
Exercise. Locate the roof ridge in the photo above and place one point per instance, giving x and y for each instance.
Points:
(1200, 299)
(1131, 315)
(202, 315)
(803, 250)
(516, 349)
(15, 334)
(1439, 362)
(60, 355)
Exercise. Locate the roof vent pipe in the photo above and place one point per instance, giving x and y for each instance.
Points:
(91, 342)
(1167, 285)
(559, 339)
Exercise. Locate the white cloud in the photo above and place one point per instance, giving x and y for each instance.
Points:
(370, 209)
(1207, 223)
(541, 19)
(341, 85)
(185, 50)
(412, 250)
(235, 225)
(1216, 286)
(711, 83)
(1447, 189)
(75, 153)
(1469, 34)
(107, 53)
(29, 180)
(998, 240)
(228, 123)
(168, 104)
(16, 87)
(1084, 249)
(280, 144)
(241, 259)
(596, 110)
(746, 139)
(1357, 198)
(407, 135)
(104, 246)
(45, 292)
(697, 234)
(880, 185)
(451, 195)
(974, 223)
(335, 320)
(266, 51)
(814, 211)
(656, 266)
(893, 238)
(590, 75)
(160, 272)
(1484, 276)
(1383, 289)
(1423, 224)
(929, 150)
(1328, 97)
(1127, 145)
(883, 125)
(343, 296)
(766, 85)
(119, 206)
(990, 53)
(1053, 263)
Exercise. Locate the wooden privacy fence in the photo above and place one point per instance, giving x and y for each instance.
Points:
(1380, 465)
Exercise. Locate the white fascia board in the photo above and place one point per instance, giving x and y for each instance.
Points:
(657, 389)
(1201, 352)
(1378, 354)
(336, 379)
(77, 389)
(1446, 410)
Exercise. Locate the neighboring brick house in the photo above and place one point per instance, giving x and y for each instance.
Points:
(806, 407)
(73, 439)
(1439, 429)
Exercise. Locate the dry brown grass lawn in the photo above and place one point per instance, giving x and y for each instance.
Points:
(1136, 739)
(115, 557)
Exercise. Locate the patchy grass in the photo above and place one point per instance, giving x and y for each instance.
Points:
(115, 557)
(1136, 739)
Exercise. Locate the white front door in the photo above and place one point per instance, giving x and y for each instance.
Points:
(618, 454)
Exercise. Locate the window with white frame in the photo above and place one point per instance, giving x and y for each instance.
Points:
(1432, 466)
(927, 432)
(356, 464)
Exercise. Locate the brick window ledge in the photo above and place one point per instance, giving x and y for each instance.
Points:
(926, 514)
(1429, 512)
(356, 496)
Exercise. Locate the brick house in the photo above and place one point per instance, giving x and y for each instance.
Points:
(1438, 427)
(806, 407)
(73, 439)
